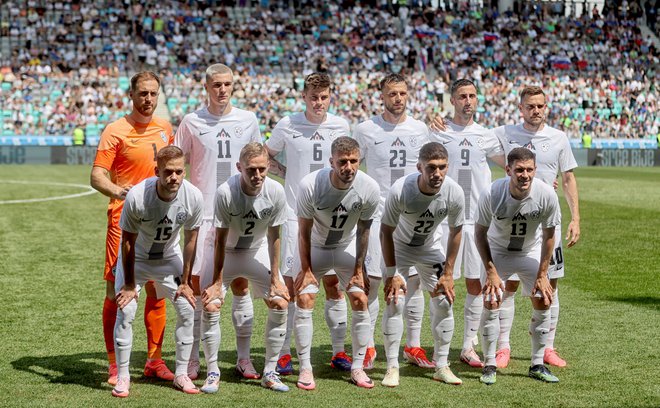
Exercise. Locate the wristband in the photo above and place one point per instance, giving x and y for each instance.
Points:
(390, 271)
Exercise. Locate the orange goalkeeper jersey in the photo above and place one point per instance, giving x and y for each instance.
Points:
(128, 151)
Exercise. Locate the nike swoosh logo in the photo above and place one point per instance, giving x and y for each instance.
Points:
(511, 142)
(501, 218)
(411, 212)
(296, 136)
(379, 142)
(206, 133)
(234, 215)
(322, 209)
(447, 142)
(143, 220)
(282, 334)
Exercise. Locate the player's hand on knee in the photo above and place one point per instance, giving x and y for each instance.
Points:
(359, 280)
(278, 288)
(393, 286)
(445, 286)
(213, 293)
(303, 280)
(492, 292)
(125, 296)
(543, 289)
(186, 291)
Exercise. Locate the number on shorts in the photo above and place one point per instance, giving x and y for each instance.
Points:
(438, 269)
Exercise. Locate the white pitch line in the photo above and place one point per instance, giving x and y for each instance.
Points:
(89, 191)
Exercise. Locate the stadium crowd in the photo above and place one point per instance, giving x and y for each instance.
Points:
(66, 64)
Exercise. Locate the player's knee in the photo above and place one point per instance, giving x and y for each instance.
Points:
(213, 307)
(277, 303)
(305, 301)
(473, 286)
(359, 301)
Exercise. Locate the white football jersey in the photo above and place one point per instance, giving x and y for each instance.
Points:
(416, 216)
(306, 147)
(468, 148)
(551, 146)
(390, 151)
(213, 145)
(514, 224)
(158, 222)
(336, 212)
(248, 217)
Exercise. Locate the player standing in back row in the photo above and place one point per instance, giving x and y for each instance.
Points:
(305, 138)
(469, 146)
(212, 138)
(390, 145)
(553, 154)
(126, 155)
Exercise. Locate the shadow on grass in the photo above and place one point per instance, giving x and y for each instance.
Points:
(650, 302)
(86, 369)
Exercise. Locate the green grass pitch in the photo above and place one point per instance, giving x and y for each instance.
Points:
(52, 352)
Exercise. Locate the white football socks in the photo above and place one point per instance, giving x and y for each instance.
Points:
(183, 334)
(414, 311)
(242, 316)
(539, 327)
(471, 317)
(210, 338)
(124, 337)
(274, 337)
(507, 311)
(554, 319)
(392, 326)
(303, 330)
(336, 318)
(197, 327)
(490, 330)
(360, 329)
(442, 325)
(374, 306)
(286, 346)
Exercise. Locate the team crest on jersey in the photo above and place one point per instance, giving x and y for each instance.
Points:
(480, 142)
(163, 136)
(266, 212)
(465, 143)
(316, 136)
(251, 215)
(367, 260)
(165, 220)
(535, 214)
(442, 212)
(413, 141)
(529, 146)
(181, 217)
(519, 217)
(289, 262)
(340, 208)
(398, 143)
(545, 146)
(332, 135)
(357, 207)
(426, 214)
(223, 134)
(238, 131)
